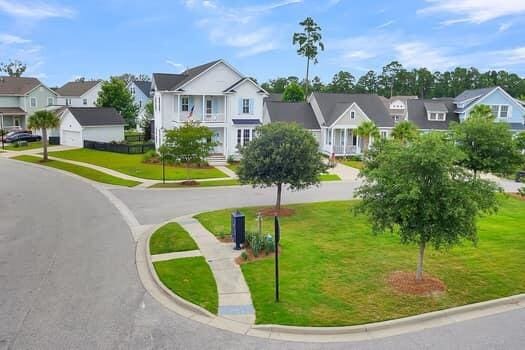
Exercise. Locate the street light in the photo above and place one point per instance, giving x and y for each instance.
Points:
(277, 238)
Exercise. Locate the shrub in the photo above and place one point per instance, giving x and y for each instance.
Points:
(230, 159)
(244, 256)
(521, 191)
(150, 156)
(259, 243)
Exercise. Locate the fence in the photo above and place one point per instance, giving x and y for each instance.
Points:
(118, 147)
(134, 138)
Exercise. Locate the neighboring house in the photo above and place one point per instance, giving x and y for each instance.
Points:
(432, 114)
(79, 93)
(79, 124)
(141, 92)
(504, 107)
(292, 112)
(214, 94)
(397, 106)
(20, 97)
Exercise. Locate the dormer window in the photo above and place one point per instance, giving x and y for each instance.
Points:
(437, 116)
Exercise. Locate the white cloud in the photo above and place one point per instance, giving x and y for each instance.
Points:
(35, 10)
(417, 54)
(473, 11)
(9, 39)
(243, 28)
(386, 24)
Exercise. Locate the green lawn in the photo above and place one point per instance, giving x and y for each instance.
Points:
(191, 279)
(233, 166)
(131, 164)
(88, 173)
(213, 183)
(330, 177)
(30, 145)
(333, 269)
(352, 163)
(171, 238)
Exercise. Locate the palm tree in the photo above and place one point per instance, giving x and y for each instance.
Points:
(44, 120)
(482, 111)
(367, 130)
(309, 42)
(405, 131)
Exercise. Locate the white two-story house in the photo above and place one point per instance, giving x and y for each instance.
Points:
(79, 93)
(214, 94)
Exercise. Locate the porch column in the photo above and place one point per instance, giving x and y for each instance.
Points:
(357, 146)
(333, 141)
(178, 107)
(225, 142)
(345, 140)
(203, 105)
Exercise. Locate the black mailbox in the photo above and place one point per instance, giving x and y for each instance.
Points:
(238, 232)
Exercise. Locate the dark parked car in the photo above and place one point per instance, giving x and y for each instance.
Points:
(520, 176)
(15, 132)
(23, 137)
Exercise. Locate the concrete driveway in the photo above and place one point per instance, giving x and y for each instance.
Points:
(68, 278)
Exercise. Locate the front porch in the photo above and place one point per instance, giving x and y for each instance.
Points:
(201, 108)
(12, 119)
(342, 142)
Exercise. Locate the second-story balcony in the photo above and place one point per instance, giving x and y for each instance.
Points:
(203, 108)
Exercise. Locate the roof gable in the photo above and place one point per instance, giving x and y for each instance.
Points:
(144, 86)
(18, 86)
(417, 113)
(77, 88)
(172, 82)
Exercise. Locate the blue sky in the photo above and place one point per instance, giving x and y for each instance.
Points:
(61, 39)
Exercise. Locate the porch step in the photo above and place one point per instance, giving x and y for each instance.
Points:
(217, 159)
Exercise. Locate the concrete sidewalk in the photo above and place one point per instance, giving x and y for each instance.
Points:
(235, 301)
(345, 172)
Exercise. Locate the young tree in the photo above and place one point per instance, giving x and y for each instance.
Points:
(43, 120)
(488, 146)
(145, 121)
(293, 93)
(14, 68)
(317, 84)
(282, 153)
(115, 94)
(405, 131)
(309, 43)
(342, 82)
(367, 130)
(190, 144)
(417, 190)
(519, 139)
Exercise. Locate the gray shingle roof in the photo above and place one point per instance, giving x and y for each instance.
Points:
(170, 82)
(333, 105)
(435, 106)
(144, 86)
(298, 112)
(274, 97)
(76, 88)
(12, 111)
(470, 94)
(417, 114)
(96, 116)
(18, 86)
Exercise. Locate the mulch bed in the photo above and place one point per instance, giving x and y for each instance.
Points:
(273, 212)
(262, 255)
(406, 283)
(517, 196)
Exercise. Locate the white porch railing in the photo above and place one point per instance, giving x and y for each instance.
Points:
(206, 118)
(341, 150)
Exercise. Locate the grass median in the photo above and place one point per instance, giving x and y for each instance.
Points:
(28, 146)
(88, 173)
(191, 279)
(171, 238)
(334, 269)
(131, 164)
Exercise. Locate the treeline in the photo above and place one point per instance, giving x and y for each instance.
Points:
(395, 80)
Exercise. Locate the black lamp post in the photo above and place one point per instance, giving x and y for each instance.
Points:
(2, 129)
(277, 235)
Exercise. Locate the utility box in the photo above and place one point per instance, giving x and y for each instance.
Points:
(238, 229)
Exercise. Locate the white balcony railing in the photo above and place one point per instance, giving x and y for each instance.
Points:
(206, 118)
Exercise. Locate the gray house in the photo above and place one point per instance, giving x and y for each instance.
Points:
(20, 97)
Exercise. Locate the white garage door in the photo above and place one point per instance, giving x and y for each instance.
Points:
(71, 138)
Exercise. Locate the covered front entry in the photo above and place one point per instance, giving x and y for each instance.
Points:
(342, 142)
(219, 136)
(12, 118)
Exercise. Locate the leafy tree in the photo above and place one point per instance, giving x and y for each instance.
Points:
(309, 43)
(342, 82)
(424, 82)
(43, 120)
(317, 84)
(145, 121)
(418, 191)
(293, 93)
(114, 93)
(190, 143)
(367, 130)
(388, 77)
(488, 146)
(405, 131)
(14, 68)
(368, 83)
(520, 141)
(279, 84)
(282, 153)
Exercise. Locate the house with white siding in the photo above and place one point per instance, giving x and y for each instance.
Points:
(79, 93)
(214, 94)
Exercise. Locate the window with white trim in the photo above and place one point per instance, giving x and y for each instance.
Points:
(246, 106)
(495, 110)
(239, 137)
(437, 116)
(246, 137)
(209, 105)
(33, 102)
(352, 115)
(384, 134)
(68, 102)
(50, 101)
(185, 104)
(504, 111)
(84, 101)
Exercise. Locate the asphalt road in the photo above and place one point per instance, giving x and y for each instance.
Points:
(68, 278)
